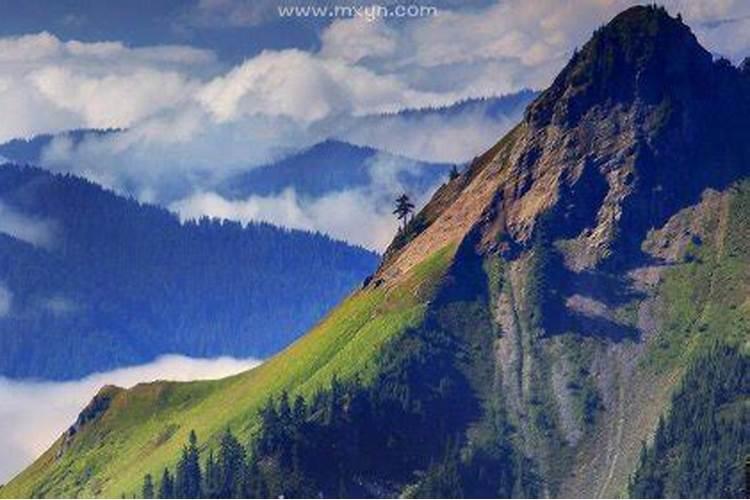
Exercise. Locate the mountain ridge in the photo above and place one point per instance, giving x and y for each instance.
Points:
(113, 270)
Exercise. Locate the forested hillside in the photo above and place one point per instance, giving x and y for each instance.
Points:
(701, 447)
(104, 281)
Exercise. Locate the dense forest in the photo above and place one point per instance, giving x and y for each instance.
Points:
(403, 432)
(349, 437)
(700, 450)
(130, 282)
(492, 107)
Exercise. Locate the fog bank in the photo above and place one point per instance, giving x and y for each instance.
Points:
(33, 414)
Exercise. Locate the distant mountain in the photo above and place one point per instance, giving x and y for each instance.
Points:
(29, 151)
(98, 281)
(452, 133)
(580, 290)
(332, 166)
(497, 107)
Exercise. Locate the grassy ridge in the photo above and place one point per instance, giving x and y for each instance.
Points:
(146, 426)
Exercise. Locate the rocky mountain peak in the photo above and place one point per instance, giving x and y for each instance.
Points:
(636, 126)
(643, 54)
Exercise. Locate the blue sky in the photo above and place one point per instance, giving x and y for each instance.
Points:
(209, 88)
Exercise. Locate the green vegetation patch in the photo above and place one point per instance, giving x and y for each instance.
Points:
(145, 427)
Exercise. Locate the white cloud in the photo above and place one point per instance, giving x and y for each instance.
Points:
(113, 100)
(170, 156)
(34, 230)
(6, 298)
(304, 87)
(33, 414)
(362, 215)
(510, 44)
(48, 85)
(59, 305)
(443, 137)
(523, 43)
(352, 40)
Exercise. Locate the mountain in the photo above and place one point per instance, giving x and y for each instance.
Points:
(496, 107)
(553, 309)
(29, 151)
(129, 282)
(453, 133)
(332, 166)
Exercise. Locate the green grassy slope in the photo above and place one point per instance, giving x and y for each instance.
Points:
(145, 427)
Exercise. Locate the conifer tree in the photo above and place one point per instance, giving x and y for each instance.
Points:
(166, 487)
(404, 207)
(211, 477)
(454, 174)
(231, 466)
(188, 480)
(148, 487)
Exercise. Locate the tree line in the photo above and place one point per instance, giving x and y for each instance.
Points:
(701, 448)
(405, 427)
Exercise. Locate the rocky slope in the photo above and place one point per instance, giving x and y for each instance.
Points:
(572, 273)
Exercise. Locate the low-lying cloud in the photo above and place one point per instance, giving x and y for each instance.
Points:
(34, 414)
(34, 230)
(444, 137)
(361, 215)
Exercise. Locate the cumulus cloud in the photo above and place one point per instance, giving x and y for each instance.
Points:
(34, 230)
(308, 88)
(49, 85)
(34, 414)
(361, 215)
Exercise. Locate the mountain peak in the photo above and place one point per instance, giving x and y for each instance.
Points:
(641, 54)
(635, 127)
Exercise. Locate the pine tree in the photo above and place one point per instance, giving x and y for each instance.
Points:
(166, 487)
(148, 486)
(285, 411)
(268, 440)
(454, 174)
(255, 484)
(404, 207)
(299, 412)
(188, 480)
(231, 467)
(211, 477)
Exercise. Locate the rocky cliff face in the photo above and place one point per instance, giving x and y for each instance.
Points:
(596, 207)
(637, 125)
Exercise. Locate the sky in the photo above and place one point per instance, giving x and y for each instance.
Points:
(204, 89)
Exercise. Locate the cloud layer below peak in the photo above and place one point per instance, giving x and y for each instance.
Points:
(35, 413)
